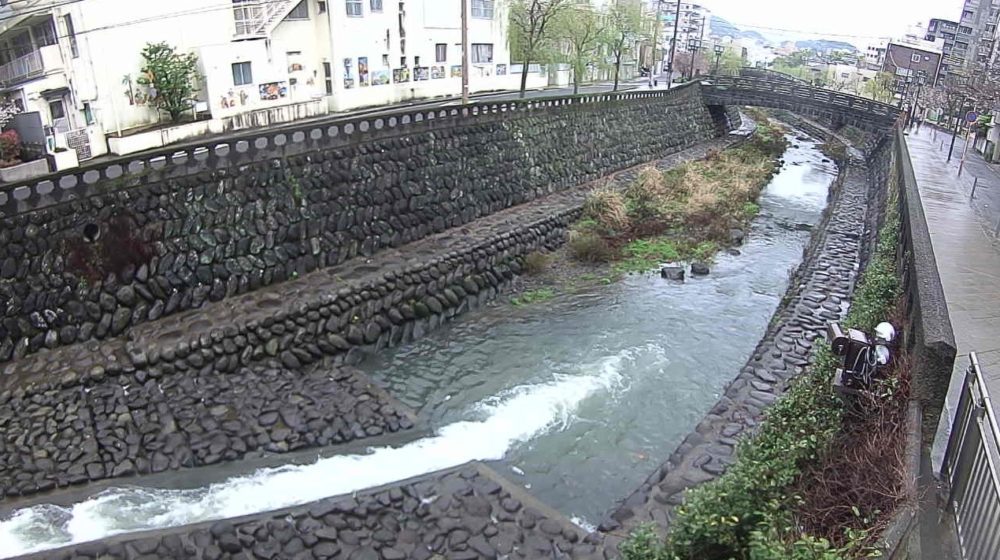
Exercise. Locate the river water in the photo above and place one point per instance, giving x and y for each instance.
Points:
(578, 399)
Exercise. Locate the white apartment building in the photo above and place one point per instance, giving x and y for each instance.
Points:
(693, 26)
(76, 63)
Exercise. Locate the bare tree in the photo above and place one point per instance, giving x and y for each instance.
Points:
(530, 33)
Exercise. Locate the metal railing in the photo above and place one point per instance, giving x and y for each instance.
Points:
(253, 16)
(21, 68)
(970, 469)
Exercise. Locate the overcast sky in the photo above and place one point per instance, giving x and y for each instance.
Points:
(857, 20)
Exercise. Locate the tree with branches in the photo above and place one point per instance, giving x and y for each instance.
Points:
(625, 26)
(530, 34)
(582, 30)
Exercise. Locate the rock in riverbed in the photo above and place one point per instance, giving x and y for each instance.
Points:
(699, 269)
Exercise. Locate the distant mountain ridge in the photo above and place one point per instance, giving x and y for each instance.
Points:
(720, 27)
(825, 46)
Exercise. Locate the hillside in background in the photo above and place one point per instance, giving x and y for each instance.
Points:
(721, 27)
(825, 46)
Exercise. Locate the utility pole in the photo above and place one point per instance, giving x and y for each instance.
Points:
(465, 52)
(656, 41)
(673, 47)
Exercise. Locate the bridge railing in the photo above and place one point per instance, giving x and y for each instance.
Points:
(972, 468)
(803, 92)
(234, 150)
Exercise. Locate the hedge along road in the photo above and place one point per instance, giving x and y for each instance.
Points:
(578, 398)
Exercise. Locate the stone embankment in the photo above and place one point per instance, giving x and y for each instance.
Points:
(262, 372)
(819, 292)
(466, 513)
(96, 267)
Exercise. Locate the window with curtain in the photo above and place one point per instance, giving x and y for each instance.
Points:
(482, 53)
(376, 5)
(441, 52)
(483, 9)
(242, 74)
(354, 8)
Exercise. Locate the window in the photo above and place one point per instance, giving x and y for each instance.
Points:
(57, 110)
(375, 5)
(482, 53)
(45, 33)
(416, 61)
(482, 9)
(242, 74)
(402, 61)
(322, 7)
(441, 52)
(385, 60)
(965, 29)
(301, 11)
(88, 113)
(914, 57)
(328, 77)
(71, 34)
(354, 8)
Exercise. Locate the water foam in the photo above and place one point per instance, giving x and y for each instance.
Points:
(516, 416)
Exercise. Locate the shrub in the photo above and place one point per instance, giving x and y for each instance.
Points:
(10, 148)
(589, 247)
(535, 263)
(534, 296)
(607, 207)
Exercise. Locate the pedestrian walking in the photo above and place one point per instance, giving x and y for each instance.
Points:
(920, 121)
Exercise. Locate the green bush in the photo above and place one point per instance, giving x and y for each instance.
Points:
(589, 247)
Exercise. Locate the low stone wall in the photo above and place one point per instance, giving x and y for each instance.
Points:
(818, 293)
(464, 513)
(131, 252)
(928, 336)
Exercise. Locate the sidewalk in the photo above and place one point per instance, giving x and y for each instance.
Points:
(965, 247)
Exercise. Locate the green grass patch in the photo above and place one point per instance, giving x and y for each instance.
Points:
(533, 296)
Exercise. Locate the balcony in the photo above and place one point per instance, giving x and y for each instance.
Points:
(30, 66)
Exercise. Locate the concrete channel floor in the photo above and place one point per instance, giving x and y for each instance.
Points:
(963, 236)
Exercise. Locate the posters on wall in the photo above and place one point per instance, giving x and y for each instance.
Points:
(273, 91)
(348, 73)
(501, 69)
(363, 71)
(437, 72)
(456, 71)
(380, 77)
(421, 73)
(400, 75)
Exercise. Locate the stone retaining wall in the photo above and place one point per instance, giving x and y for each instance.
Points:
(464, 513)
(95, 267)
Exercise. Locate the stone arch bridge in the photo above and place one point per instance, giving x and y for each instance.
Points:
(834, 108)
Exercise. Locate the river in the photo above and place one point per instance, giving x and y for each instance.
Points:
(578, 399)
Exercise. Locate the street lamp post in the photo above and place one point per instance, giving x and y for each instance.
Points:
(719, 49)
(692, 48)
(921, 78)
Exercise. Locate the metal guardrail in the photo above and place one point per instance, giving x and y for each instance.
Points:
(970, 468)
(21, 68)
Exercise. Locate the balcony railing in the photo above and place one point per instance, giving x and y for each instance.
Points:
(20, 69)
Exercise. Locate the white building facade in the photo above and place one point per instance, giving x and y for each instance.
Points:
(78, 64)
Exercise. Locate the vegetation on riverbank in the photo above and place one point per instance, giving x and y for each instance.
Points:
(814, 483)
(686, 213)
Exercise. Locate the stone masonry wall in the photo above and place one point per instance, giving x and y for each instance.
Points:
(262, 372)
(95, 267)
